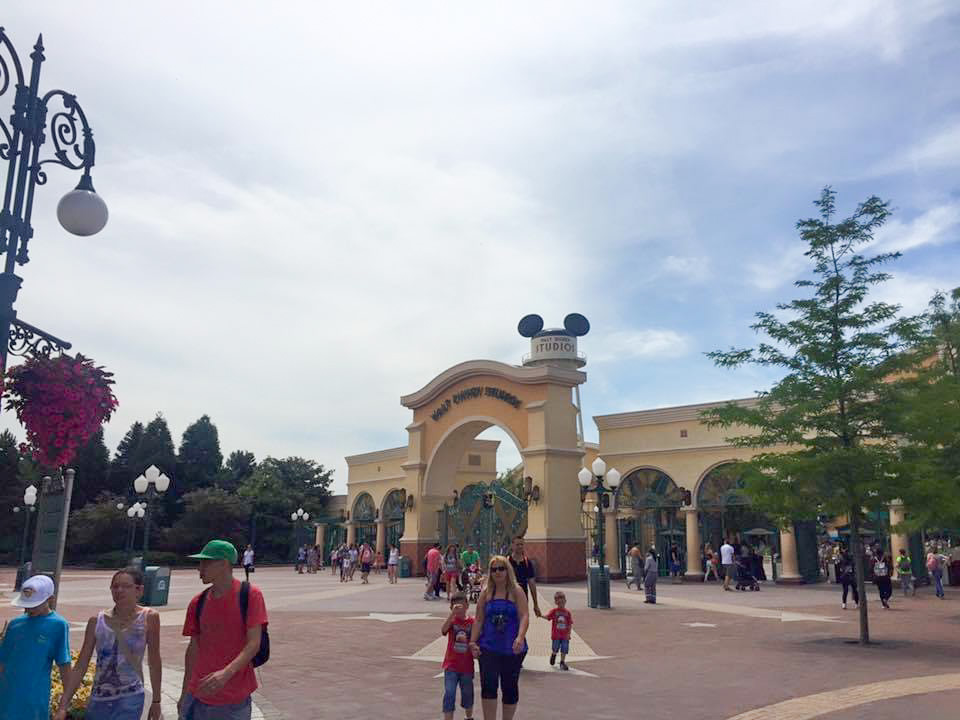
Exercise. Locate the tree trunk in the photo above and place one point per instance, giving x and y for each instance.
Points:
(856, 547)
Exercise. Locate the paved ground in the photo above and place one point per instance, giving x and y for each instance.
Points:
(355, 651)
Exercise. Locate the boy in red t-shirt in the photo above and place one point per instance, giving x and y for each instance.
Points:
(562, 622)
(458, 661)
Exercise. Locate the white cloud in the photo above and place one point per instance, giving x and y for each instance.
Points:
(651, 344)
(777, 269)
(940, 150)
(937, 225)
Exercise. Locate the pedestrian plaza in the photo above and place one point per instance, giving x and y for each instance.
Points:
(371, 651)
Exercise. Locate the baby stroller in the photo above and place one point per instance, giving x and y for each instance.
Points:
(474, 583)
(745, 578)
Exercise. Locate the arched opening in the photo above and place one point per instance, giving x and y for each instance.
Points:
(726, 512)
(648, 514)
(393, 513)
(364, 517)
(487, 507)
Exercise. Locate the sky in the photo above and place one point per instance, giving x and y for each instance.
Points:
(317, 207)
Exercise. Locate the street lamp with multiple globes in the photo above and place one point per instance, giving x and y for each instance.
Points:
(298, 518)
(151, 484)
(29, 507)
(58, 116)
(133, 512)
(604, 483)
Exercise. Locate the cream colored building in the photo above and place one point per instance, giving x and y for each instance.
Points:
(674, 490)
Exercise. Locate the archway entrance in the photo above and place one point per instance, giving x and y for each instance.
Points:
(534, 406)
(648, 513)
(364, 516)
(726, 512)
(393, 513)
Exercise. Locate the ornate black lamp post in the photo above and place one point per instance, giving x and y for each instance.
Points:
(134, 512)
(599, 580)
(81, 211)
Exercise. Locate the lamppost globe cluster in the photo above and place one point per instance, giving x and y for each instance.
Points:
(29, 498)
(299, 515)
(137, 510)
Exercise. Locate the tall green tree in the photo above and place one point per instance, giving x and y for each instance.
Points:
(925, 410)
(239, 467)
(199, 461)
(11, 492)
(122, 468)
(823, 444)
(210, 513)
(92, 464)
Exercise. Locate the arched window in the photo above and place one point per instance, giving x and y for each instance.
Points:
(722, 488)
(648, 488)
(363, 509)
(393, 505)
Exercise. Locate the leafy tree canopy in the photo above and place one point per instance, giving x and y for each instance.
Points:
(824, 446)
(199, 460)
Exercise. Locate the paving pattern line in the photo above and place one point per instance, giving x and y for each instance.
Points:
(725, 608)
(813, 706)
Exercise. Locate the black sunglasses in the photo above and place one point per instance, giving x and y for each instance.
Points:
(499, 568)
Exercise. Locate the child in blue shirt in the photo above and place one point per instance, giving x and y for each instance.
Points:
(31, 644)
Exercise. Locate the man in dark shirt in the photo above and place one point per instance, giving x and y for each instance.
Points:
(525, 571)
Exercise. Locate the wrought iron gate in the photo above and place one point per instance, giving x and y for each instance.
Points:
(487, 517)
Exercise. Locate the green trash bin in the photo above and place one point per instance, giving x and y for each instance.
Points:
(406, 567)
(598, 587)
(156, 585)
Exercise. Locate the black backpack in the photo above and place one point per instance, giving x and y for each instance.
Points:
(263, 654)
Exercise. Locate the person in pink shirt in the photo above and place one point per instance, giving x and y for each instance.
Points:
(434, 565)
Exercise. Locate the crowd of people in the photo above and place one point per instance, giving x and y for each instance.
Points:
(226, 624)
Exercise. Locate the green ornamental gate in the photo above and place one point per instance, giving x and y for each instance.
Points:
(487, 517)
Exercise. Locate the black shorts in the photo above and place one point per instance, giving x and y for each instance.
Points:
(503, 671)
(365, 567)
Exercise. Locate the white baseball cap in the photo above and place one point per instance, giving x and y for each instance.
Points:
(35, 591)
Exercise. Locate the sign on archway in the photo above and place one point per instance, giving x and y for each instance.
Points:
(534, 405)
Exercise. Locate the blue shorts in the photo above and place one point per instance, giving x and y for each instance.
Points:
(123, 708)
(193, 709)
(452, 679)
(561, 646)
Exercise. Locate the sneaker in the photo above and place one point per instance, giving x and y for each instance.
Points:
(563, 665)
(843, 606)
(427, 596)
(553, 659)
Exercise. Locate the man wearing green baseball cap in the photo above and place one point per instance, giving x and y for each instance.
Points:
(218, 677)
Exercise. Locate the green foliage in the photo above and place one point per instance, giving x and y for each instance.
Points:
(96, 527)
(209, 513)
(199, 461)
(275, 489)
(925, 411)
(240, 466)
(92, 463)
(833, 453)
(123, 468)
(512, 480)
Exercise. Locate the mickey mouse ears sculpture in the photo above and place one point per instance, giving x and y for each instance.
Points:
(575, 325)
(554, 346)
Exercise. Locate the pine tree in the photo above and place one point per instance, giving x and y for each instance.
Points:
(199, 461)
(240, 467)
(122, 467)
(823, 444)
(92, 465)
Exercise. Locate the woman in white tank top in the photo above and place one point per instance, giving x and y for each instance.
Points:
(121, 637)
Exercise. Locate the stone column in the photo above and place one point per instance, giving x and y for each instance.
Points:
(694, 572)
(381, 536)
(898, 540)
(790, 572)
(351, 532)
(611, 541)
(318, 537)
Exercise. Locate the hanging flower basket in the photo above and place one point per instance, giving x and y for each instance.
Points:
(61, 401)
